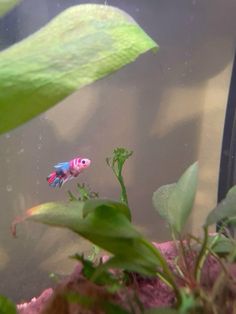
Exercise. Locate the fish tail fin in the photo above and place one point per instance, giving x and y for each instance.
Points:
(55, 180)
(51, 177)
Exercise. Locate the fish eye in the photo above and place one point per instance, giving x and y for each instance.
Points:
(83, 162)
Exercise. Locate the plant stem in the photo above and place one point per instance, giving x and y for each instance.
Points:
(116, 163)
(220, 282)
(188, 277)
(166, 276)
(201, 257)
(218, 259)
(124, 197)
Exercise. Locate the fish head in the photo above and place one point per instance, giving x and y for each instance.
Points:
(78, 164)
(84, 163)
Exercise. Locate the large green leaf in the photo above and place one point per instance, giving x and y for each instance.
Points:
(7, 5)
(7, 306)
(161, 202)
(104, 223)
(224, 210)
(175, 201)
(82, 44)
(54, 214)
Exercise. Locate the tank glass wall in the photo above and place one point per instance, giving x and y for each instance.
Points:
(167, 107)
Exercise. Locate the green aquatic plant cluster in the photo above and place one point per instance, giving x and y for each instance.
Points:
(84, 193)
(107, 224)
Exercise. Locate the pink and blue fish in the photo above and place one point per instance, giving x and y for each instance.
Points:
(68, 170)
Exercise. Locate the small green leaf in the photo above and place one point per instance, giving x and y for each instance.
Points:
(85, 193)
(94, 254)
(104, 278)
(222, 246)
(226, 209)
(7, 306)
(188, 303)
(175, 201)
(81, 45)
(88, 268)
(7, 5)
(72, 197)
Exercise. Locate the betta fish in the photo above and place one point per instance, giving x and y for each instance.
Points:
(68, 170)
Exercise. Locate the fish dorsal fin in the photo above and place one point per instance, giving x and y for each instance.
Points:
(64, 166)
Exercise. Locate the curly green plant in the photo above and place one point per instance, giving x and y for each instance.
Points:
(85, 193)
(116, 163)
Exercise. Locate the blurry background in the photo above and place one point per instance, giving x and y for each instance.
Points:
(168, 108)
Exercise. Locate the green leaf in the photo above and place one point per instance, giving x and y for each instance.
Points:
(224, 210)
(104, 278)
(90, 206)
(72, 197)
(189, 301)
(7, 306)
(7, 5)
(54, 214)
(80, 218)
(94, 254)
(161, 202)
(81, 45)
(104, 223)
(222, 246)
(133, 263)
(85, 193)
(175, 201)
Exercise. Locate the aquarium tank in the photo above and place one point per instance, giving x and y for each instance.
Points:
(154, 79)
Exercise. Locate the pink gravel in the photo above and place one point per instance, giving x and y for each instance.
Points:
(151, 291)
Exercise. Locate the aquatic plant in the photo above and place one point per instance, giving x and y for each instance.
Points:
(116, 163)
(107, 224)
(7, 5)
(84, 193)
(7, 306)
(81, 45)
(84, 43)
(46, 73)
